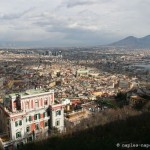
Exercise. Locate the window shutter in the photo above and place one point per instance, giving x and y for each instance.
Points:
(20, 122)
(16, 123)
(30, 118)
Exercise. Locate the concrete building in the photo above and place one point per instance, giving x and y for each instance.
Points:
(28, 116)
(82, 72)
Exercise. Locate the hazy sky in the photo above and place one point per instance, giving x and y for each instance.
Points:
(73, 22)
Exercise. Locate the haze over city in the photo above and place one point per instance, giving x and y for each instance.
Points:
(71, 22)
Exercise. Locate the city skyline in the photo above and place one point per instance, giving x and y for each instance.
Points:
(72, 23)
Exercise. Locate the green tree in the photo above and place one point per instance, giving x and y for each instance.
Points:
(121, 99)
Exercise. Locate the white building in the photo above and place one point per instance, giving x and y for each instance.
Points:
(25, 117)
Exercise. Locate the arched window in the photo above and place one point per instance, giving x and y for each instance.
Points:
(36, 103)
(27, 105)
(46, 101)
(28, 129)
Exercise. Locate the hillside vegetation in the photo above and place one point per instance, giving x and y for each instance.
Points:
(133, 129)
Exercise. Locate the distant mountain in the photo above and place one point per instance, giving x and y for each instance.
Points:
(134, 42)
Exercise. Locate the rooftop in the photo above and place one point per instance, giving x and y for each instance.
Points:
(31, 92)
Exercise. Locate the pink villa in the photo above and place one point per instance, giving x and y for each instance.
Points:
(25, 117)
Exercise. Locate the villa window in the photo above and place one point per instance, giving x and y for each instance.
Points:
(46, 124)
(28, 129)
(16, 124)
(27, 105)
(35, 117)
(20, 122)
(30, 118)
(36, 104)
(58, 112)
(57, 123)
(39, 115)
(37, 127)
(45, 101)
(18, 134)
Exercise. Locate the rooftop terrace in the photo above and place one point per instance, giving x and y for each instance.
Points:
(31, 92)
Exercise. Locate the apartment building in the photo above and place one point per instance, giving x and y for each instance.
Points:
(28, 116)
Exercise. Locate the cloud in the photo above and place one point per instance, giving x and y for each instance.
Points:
(78, 32)
(75, 22)
(71, 4)
(14, 15)
(75, 3)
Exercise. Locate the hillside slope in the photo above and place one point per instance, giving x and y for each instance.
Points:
(132, 130)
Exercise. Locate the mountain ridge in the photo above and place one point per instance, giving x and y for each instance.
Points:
(131, 41)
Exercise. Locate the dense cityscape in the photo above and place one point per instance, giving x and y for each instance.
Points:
(52, 91)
